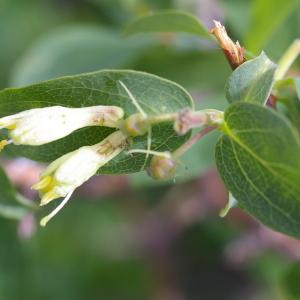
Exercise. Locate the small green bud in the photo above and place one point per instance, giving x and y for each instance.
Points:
(135, 125)
(162, 167)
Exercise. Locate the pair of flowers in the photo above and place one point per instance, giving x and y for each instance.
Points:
(43, 125)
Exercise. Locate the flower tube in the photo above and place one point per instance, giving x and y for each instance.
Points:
(43, 125)
(71, 170)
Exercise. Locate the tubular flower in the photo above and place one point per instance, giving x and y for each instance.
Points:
(71, 170)
(43, 125)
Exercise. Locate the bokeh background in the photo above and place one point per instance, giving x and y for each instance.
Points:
(128, 237)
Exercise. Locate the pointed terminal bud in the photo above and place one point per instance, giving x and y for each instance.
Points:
(162, 167)
(43, 125)
(70, 171)
(233, 51)
(135, 125)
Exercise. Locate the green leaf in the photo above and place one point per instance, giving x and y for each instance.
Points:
(266, 18)
(285, 93)
(237, 16)
(292, 105)
(8, 200)
(154, 94)
(167, 21)
(192, 69)
(289, 281)
(76, 49)
(252, 81)
(22, 22)
(259, 160)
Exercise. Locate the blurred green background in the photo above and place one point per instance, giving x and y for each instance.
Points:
(128, 237)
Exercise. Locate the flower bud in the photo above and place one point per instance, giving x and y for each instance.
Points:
(43, 125)
(71, 170)
(162, 167)
(233, 51)
(135, 125)
(188, 119)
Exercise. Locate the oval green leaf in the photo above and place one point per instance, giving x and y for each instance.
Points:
(285, 93)
(154, 94)
(252, 81)
(75, 49)
(167, 21)
(258, 158)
